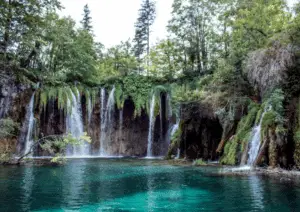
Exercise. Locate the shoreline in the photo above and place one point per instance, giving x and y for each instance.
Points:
(223, 169)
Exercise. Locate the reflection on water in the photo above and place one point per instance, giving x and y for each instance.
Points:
(27, 186)
(139, 185)
(256, 192)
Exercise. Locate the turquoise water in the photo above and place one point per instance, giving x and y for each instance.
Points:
(139, 185)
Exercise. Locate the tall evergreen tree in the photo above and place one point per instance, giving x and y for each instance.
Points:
(144, 22)
(87, 19)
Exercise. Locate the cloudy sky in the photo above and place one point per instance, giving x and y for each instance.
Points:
(113, 20)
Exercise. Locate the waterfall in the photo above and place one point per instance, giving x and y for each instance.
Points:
(75, 128)
(151, 127)
(255, 141)
(174, 129)
(102, 118)
(178, 153)
(89, 109)
(4, 106)
(29, 124)
(107, 123)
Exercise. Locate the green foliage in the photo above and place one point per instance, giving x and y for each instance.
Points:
(274, 116)
(8, 128)
(199, 162)
(255, 22)
(144, 22)
(63, 95)
(57, 145)
(119, 97)
(175, 141)
(241, 138)
(176, 137)
(137, 88)
(86, 20)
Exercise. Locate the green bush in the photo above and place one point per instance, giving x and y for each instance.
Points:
(8, 128)
(241, 138)
(199, 162)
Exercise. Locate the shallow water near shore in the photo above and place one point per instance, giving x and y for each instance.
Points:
(140, 185)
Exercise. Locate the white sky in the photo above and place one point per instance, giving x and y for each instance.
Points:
(113, 20)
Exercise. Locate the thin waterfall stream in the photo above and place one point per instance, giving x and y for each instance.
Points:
(174, 129)
(107, 123)
(102, 117)
(151, 128)
(255, 141)
(89, 109)
(29, 124)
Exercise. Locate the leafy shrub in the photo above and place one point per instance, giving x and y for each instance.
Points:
(199, 162)
(241, 137)
(8, 128)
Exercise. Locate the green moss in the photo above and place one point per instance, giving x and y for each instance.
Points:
(269, 120)
(241, 138)
(199, 162)
(258, 116)
(230, 153)
(175, 141)
(8, 128)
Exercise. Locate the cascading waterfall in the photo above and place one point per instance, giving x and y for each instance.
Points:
(102, 118)
(107, 123)
(75, 128)
(30, 121)
(151, 128)
(255, 141)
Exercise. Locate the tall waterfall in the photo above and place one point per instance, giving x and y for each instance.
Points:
(29, 124)
(75, 128)
(107, 123)
(255, 141)
(102, 118)
(151, 128)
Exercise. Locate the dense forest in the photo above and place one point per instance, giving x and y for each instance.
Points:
(239, 58)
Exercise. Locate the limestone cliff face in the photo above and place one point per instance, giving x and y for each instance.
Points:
(201, 132)
(127, 136)
(13, 102)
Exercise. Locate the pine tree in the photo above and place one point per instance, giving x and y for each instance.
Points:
(87, 19)
(145, 20)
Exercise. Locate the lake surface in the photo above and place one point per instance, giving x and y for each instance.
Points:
(139, 185)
